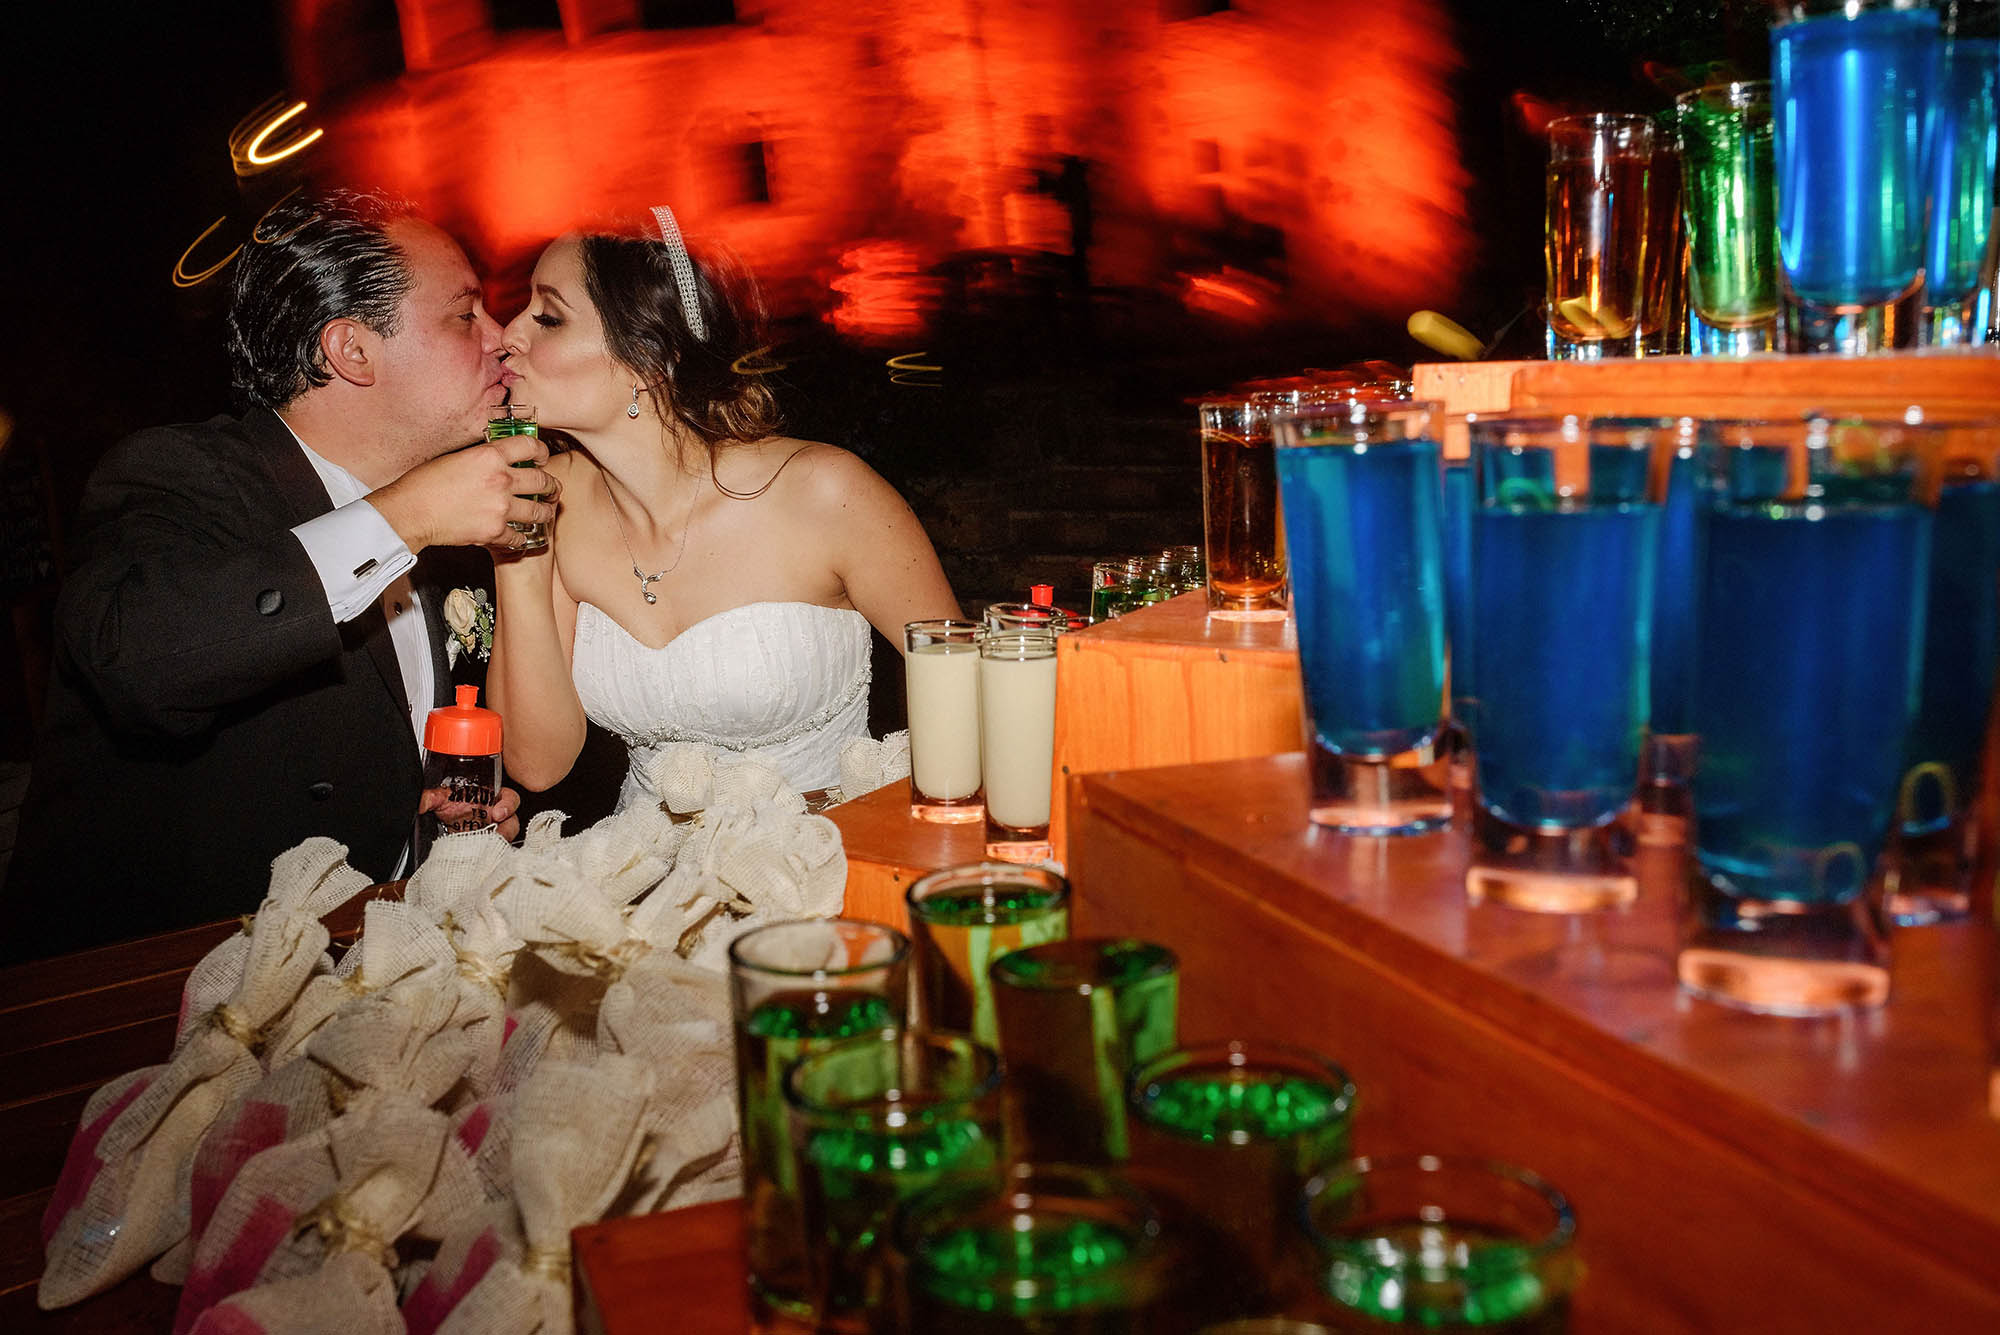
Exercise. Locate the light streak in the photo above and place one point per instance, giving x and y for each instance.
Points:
(252, 158)
(182, 278)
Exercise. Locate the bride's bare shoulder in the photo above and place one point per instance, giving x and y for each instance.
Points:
(801, 472)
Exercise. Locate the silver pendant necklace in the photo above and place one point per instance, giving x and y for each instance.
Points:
(646, 580)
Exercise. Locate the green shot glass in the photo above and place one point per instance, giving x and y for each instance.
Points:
(797, 987)
(1229, 1133)
(874, 1120)
(964, 918)
(518, 419)
(1056, 1250)
(1075, 1017)
(1443, 1244)
(1729, 199)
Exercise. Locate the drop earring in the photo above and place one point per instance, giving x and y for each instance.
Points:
(632, 408)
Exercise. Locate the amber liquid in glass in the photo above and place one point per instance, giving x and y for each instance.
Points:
(1596, 246)
(1246, 552)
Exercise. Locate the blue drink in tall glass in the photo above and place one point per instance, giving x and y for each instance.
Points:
(1812, 614)
(1965, 144)
(1361, 494)
(1565, 618)
(1850, 98)
(1941, 776)
(1458, 586)
(1565, 537)
(1671, 743)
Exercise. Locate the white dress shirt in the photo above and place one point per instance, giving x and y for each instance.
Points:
(361, 561)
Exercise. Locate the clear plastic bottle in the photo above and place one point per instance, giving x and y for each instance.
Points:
(461, 764)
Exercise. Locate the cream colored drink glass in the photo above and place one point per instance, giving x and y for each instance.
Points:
(1017, 733)
(941, 676)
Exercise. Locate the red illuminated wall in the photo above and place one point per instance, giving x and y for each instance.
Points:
(1319, 129)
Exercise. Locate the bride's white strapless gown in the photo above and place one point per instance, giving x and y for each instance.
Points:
(786, 683)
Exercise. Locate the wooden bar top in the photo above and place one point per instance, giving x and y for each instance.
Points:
(887, 849)
(1730, 1171)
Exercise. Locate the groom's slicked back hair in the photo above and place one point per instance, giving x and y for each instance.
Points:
(313, 258)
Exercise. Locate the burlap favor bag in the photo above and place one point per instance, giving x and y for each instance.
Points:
(313, 879)
(458, 863)
(353, 1186)
(575, 944)
(123, 1197)
(350, 1295)
(396, 941)
(674, 1017)
(579, 1133)
(742, 866)
(290, 1103)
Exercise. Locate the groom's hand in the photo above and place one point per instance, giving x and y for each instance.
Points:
(504, 812)
(470, 497)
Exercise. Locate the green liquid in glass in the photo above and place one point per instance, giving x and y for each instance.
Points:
(995, 907)
(777, 1033)
(1730, 201)
(1243, 1106)
(857, 1179)
(959, 933)
(1058, 1266)
(1442, 1276)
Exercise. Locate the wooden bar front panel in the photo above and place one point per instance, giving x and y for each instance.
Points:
(1730, 1172)
(1168, 685)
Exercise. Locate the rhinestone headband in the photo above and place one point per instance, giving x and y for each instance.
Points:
(677, 252)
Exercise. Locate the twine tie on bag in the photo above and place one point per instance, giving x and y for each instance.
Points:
(609, 965)
(342, 1228)
(234, 1023)
(550, 1263)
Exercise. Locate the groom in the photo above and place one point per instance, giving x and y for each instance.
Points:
(251, 630)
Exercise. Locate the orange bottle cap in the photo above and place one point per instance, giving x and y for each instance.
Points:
(463, 729)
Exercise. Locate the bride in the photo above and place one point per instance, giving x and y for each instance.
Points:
(706, 579)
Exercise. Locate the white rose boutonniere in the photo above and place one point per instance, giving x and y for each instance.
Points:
(469, 614)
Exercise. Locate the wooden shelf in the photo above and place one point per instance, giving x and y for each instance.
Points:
(1730, 1171)
(1169, 685)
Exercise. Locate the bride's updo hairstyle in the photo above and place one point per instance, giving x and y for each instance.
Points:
(695, 379)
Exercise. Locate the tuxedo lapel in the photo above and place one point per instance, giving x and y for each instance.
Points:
(374, 627)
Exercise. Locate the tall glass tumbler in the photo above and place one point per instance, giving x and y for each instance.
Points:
(796, 987)
(1565, 542)
(1965, 149)
(1058, 1250)
(1596, 221)
(1075, 1016)
(1671, 743)
(1017, 741)
(1729, 196)
(1931, 873)
(874, 1121)
(1663, 308)
(941, 676)
(1242, 527)
(964, 918)
(1443, 1244)
(1457, 517)
(1361, 488)
(1851, 85)
(1229, 1133)
(1811, 645)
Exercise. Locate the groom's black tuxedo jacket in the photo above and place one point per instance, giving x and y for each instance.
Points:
(206, 711)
